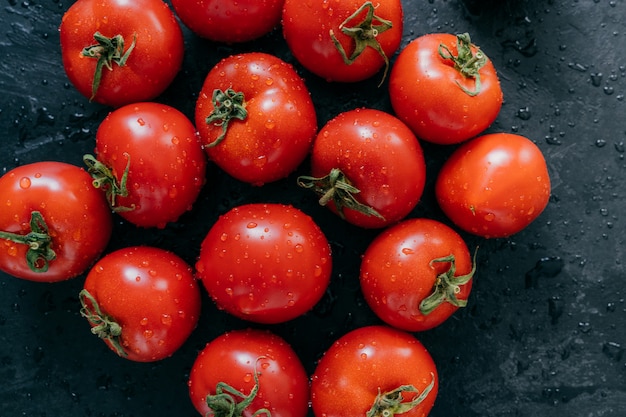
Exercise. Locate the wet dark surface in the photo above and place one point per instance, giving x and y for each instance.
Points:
(545, 329)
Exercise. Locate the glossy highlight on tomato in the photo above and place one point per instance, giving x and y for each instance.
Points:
(265, 263)
(53, 224)
(495, 185)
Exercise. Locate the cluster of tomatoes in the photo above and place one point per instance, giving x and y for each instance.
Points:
(270, 263)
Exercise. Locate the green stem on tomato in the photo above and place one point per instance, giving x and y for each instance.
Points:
(364, 34)
(229, 402)
(227, 105)
(103, 325)
(466, 61)
(447, 286)
(107, 51)
(390, 403)
(38, 240)
(336, 187)
(104, 179)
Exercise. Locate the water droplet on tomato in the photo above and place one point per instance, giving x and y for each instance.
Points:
(25, 182)
(144, 321)
(12, 250)
(408, 251)
(251, 225)
(141, 122)
(299, 248)
(247, 377)
(166, 319)
(175, 140)
(269, 81)
(147, 334)
(490, 217)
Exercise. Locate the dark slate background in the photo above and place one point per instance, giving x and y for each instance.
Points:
(545, 329)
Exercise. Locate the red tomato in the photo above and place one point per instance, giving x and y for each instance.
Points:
(257, 370)
(53, 223)
(495, 185)
(343, 40)
(416, 274)
(150, 163)
(255, 117)
(266, 263)
(118, 51)
(444, 88)
(368, 166)
(144, 302)
(374, 371)
(229, 21)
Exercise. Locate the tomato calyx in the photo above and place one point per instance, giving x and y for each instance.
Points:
(364, 35)
(103, 178)
(465, 61)
(224, 403)
(336, 187)
(447, 286)
(107, 51)
(38, 240)
(103, 325)
(390, 403)
(227, 105)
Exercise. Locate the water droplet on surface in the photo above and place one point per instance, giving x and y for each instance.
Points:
(596, 79)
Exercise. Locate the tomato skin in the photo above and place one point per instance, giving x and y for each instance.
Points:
(167, 164)
(227, 21)
(78, 218)
(277, 133)
(153, 63)
(367, 360)
(495, 185)
(380, 156)
(152, 294)
(233, 357)
(425, 95)
(397, 274)
(306, 27)
(265, 263)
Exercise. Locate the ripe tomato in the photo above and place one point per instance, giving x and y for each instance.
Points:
(495, 185)
(368, 166)
(149, 161)
(144, 302)
(53, 223)
(117, 52)
(374, 371)
(343, 40)
(255, 117)
(229, 21)
(266, 263)
(416, 274)
(445, 88)
(257, 371)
